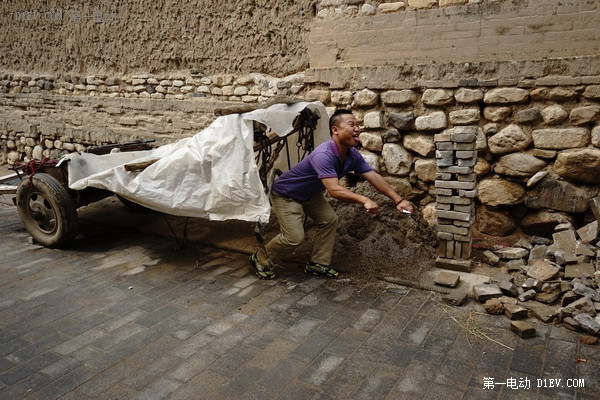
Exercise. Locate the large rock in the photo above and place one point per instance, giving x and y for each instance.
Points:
(496, 192)
(437, 97)
(494, 223)
(399, 97)
(434, 121)
(543, 270)
(558, 195)
(465, 117)
(579, 165)
(402, 121)
(509, 140)
(464, 95)
(371, 141)
(542, 223)
(421, 144)
(425, 169)
(560, 139)
(554, 115)
(366, 97)
(519, 164)
(555, 94)
(506, 96)
(596, 136)
(397, 159)
(585, 115)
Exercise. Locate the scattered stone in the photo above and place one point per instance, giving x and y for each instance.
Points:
(577, 270)
(588, 324)
(485, 292)
(548, 297)
(511, 253)
(582, 306)
(566, 286)
(524, 243)
(490, 258)
(540, 240)
(583, 290)
(589, 340)
(447, 279)
(509, 288)
(538, 252)
(532, 283)
(524, 329)
(514, 311)
(515, 265)
(588, 232)
(543, 312)
(528, 295)
(571, 324)
(494, 306)
(456, 298)
(543, 270)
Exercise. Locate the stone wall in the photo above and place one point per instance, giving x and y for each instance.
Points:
(537, 113)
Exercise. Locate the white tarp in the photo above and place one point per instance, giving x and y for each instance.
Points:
(212, 174)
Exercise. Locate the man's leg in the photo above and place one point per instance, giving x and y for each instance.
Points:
(290, 217)
(326, 221)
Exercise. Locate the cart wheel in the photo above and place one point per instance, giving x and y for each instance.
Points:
(47, 211)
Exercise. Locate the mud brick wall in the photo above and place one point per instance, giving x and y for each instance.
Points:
(455, 195)
(141, 36)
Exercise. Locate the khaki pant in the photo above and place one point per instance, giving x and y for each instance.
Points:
(290, 215)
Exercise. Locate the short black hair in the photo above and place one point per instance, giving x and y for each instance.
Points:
(335, 117)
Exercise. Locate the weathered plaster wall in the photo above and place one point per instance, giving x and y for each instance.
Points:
(426, 32)
(128, 36)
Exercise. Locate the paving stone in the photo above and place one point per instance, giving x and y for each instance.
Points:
(456, 298)
(513, 311)
(447, 279)
(588, 324)
(543, 270)
(485, 292)
(583, 290)
(577, 270)
(523, 329)
(511, 253)
(509, 288)
(217, 333)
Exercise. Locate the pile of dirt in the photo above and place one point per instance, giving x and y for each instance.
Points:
(386, 244)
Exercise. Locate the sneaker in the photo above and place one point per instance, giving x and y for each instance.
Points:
(261, 272)
(320, 269)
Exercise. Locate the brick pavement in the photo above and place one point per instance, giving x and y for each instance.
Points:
(123, 316)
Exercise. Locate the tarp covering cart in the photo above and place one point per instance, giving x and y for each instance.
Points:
(221, 173)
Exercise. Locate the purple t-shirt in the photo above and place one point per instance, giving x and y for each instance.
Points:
(303, 181)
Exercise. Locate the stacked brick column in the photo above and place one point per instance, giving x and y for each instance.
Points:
(455, 193)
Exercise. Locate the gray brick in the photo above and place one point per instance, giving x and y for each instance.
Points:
(320, 369)
(22, 371)
(311, 347)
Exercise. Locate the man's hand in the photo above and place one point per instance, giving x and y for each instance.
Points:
(371, 206)
(404, 206)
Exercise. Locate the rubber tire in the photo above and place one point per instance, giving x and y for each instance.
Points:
(47, 211)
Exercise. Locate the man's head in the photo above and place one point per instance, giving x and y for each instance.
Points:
(344, 128)
(336, 118)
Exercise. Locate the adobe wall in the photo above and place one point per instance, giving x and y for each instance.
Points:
(526, 73)
(141, 36)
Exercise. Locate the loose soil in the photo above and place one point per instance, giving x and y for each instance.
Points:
(387, 244)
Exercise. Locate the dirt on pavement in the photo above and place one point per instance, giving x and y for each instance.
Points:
(387, 244)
